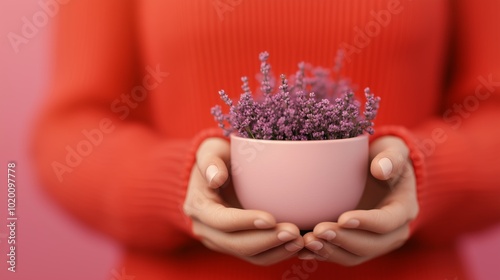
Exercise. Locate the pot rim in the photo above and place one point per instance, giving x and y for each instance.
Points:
(300, 142)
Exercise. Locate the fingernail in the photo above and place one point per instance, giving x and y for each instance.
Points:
(328, 235)
(386, 166)
(314, 245)
(352, 223)
(286, 236)
(292, 247)
(262, 224)
(211, 172)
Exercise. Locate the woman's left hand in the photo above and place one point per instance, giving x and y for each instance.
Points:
(390, 194)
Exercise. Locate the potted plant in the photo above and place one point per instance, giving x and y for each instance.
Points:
(300, 153)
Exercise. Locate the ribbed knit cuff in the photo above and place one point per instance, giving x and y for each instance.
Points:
(416, 155)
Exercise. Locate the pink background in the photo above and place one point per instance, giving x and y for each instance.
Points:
(50, 244)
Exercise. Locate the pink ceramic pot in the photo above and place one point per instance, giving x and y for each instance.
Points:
(302, 182)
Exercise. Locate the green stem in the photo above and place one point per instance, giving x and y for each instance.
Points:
(249, 132)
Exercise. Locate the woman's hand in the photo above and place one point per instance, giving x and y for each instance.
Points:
(219, 222)
(361, 235)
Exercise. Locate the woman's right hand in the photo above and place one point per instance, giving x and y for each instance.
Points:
(222, 225)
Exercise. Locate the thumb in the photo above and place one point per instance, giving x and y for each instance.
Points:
(212, 158)
(388, 165)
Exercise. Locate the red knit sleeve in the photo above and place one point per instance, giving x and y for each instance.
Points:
(107, 165)
(457, 153)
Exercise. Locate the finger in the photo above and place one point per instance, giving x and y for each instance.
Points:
(267, 257)
(277, 254)
(229, 219)
(358, 242)
(330, 252)
(388, 165)
(212, 158)
(335, 255)
(204, 205)
(386, 219)
(398, 208)
(249, 243)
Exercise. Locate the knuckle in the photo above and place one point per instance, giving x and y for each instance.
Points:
(377, 217)
(220, 218)
(383, 224)
(186, 208)
(400, 160)
(191, 206)
(396, 216)
(227, 219)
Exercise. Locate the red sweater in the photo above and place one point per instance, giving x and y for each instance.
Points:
(134, 82)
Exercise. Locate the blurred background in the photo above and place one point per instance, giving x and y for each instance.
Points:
(49, 243)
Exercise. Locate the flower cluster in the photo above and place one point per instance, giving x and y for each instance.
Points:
(308, 108)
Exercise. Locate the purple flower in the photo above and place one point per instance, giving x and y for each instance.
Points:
(310, 108)
(265, 69)
(225, 98)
